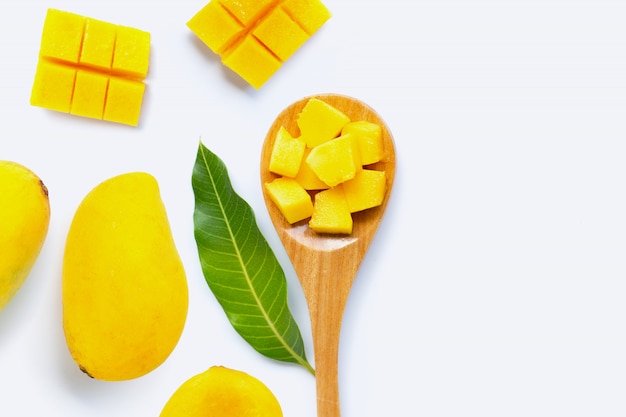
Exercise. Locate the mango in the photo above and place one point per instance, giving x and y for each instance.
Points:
(124, 288)
(287, 154)
(91, 68)
(255, 37)
(320, 122)
(291, 198)
(336, 161)
(222, 392)
(306, 177)
(331, 213)
(370, 139)
(365, 190)
(24, 220)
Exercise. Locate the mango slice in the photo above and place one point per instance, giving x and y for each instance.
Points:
(124, 288)
(91, 68)
(222, 392)
(255, 37)
(24, 220)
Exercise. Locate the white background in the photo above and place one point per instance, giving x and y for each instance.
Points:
(496, 283)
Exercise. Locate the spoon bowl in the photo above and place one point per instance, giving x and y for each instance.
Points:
(326, 265)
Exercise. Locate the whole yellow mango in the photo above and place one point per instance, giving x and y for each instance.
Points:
(24, 220)
(222, 392)
(124, 288)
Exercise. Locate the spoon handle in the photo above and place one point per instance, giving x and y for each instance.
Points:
(326, 279)
(326, 348)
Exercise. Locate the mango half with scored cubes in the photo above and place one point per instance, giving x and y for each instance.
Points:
(91, 68)
(324, 174)
(255, 37)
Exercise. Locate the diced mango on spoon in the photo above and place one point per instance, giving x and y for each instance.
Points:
(326, 264)
(330, 170)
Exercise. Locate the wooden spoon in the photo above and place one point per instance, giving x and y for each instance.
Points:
(326, 265)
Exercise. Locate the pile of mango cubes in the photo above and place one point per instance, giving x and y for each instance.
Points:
(323, 174)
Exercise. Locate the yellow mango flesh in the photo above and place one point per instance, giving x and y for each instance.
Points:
(82, 64)
(24, 220)
(335, 161)
(310, 14)
(123, 103)
(370, 140)
(98, 44)
(252, 62)
(307, 178)
(331, 213)
(281, 34)
(222, 392)
(131, 56)
(320, 122)
(124, 288)
(291, 199)
(365, 190)
(287, 153)
(255, 37)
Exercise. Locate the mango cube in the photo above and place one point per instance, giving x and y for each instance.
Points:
(53, 86)
(252, 61)
(310, 14)
(255, 37)
(90, 90)
(331, 213)
(62, 36)
(132, 52)
(291, 199)
(307, 178)
(365, 190)
(124, 101)
(335, 161)
(320, 122)
(91, 68)
(281, 34)
(98, 44)
(287, 154)
(369, 137)
(215, 26)
(247, 11)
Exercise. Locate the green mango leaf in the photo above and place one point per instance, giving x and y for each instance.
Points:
(240, 267)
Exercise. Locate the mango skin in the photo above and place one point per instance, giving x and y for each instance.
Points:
(124, 288)
(24, 221)
(222, 392)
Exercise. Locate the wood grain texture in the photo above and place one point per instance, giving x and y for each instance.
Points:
(327, 265)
